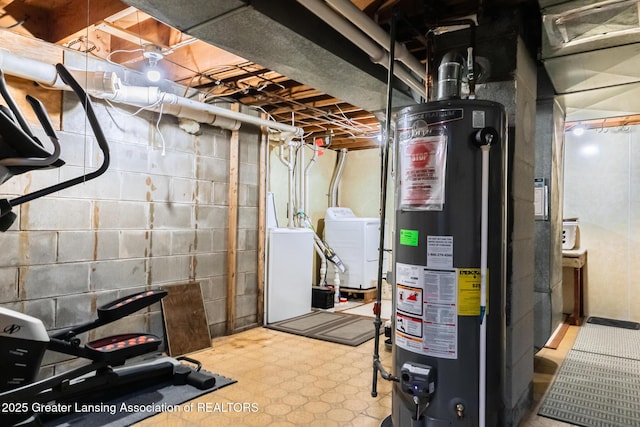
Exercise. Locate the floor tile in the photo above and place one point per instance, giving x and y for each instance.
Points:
(288, 380)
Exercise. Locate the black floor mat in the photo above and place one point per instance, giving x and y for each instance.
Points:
(340, 328)
(138, 405)
(613, 322)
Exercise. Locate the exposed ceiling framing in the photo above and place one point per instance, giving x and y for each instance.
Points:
(113, 30)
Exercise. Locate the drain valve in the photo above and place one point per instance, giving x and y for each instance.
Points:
(460, 410)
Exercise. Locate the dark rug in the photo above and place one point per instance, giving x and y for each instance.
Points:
(613, 322)
(136, 406)
(339, 328)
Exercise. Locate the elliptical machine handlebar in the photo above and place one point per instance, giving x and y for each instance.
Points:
(6, 205)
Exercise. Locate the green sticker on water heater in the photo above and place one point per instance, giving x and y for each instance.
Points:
(409, 237)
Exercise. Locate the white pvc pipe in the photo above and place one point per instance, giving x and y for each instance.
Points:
(30, 69)
(377, 54)
(291, 186)
(307, 172)
(106, 85)
(323, 264)
(47, 75)
(336, 284)
(188, 108)
(484, 236)
(288, 162)
(300, 178)
(373, 30)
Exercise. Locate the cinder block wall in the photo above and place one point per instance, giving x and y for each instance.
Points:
(154, 218)
(549, 152)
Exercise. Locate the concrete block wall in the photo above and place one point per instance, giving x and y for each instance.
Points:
(519, 99)
(518, 386)
(247, 239)
(158, 216)
(549, 165)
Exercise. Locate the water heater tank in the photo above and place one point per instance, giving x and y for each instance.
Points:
(437, 249)
(355, 240)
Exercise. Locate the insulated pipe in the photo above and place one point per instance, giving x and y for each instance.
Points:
(373, 30)
(335, 179)
(377, 54)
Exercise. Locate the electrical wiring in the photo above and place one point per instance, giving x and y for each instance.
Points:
(139, 110)
(108, 58)
(164, 145)
(143, 108)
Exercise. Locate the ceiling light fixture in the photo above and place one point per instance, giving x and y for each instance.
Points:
(578, 130)
(153, 54)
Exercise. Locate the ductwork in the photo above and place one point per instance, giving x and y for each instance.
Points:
(335, 179)
(591, 51)
(450, 76)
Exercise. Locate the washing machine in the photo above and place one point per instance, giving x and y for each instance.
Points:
(355, 240)
(289, 273)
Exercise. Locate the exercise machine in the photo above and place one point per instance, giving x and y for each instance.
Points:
(24, 341)
(21, 151)
(114, 364)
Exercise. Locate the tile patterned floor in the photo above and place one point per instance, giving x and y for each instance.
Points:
(286, 380)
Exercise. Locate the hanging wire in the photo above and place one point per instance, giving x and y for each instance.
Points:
(83, 40)
(15, 24)
(164, 145)
(108, 58)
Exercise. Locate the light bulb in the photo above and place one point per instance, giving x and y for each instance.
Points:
(153, 54)
(578, 130)
(153, 74)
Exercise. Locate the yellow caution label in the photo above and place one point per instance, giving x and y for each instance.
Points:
(469, 292)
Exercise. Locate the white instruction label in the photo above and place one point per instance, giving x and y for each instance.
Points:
(440, 252)
(427, 312)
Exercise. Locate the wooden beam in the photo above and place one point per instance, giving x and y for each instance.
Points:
(232, 238)
(354, 144)
(604, 123)
(74, 16)
(262, 218)
(129, 36)
(33, 17)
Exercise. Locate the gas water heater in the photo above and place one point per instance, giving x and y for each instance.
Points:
(449, 370)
